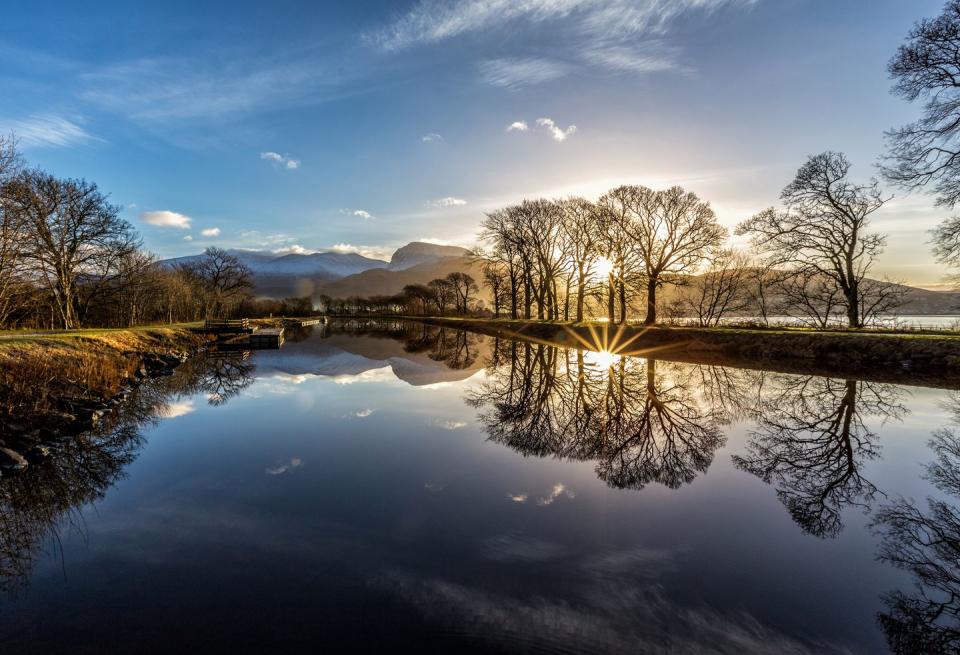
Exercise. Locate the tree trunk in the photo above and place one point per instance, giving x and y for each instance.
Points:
(611, 294)
(853, 307)
(623, 302)
(580, 291)
(651, 301)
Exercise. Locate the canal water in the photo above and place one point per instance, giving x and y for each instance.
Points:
(377, 486)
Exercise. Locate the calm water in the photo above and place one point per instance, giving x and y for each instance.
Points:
(378, 486)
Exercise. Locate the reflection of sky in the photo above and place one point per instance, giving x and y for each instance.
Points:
(285, 506)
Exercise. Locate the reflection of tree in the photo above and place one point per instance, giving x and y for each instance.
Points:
(810, 440)
(36, 502)
(458, 349)
(927, 544)
(641, 421)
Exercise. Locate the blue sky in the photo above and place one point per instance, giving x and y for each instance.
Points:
(365, 125)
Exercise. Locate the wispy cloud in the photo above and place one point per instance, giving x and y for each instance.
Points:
(210, 232)
(46, 131)
(214, 85)
(555, 130)
(280, 160)
(601, 33)
(363, 413)
(360, 213)
(515, 73)
(431, 137)
(188, 238)
(518, 126)
(166, 218)
(449, 201)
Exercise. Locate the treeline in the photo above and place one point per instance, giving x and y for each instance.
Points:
(67, 260)
(457, 293)
(549, 258)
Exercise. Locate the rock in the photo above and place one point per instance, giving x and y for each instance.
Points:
(11, 459)
(38, 453)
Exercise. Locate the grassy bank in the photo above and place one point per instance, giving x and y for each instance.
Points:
(57, 379)
(909, 357)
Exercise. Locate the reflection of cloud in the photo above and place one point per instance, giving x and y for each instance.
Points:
(384, 374)
(174, 410)
(617, 614)
(363, 413)
(280, 469)
(448, 424)
(559, 490)
(434, 487)
(517, 498)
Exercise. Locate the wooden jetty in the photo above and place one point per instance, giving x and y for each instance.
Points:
(266, 338)
(241, 325)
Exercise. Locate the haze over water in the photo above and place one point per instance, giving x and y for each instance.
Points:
(374, 485)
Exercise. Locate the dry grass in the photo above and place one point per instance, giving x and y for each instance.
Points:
(37, 373)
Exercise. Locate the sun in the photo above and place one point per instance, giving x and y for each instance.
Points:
(602, 268)
(601, 359)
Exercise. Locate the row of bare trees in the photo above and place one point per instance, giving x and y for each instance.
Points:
(457, 293)
(68, 259)
(552, 258)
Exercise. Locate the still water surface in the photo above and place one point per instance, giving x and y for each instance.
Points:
(372, 486)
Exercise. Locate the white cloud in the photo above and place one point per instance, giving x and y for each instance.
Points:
(449, 201)
(518, 126)
(188, 238)
(363, 413)
(432, 136)
(556, 132)
(448, 424)
(374, 252)
(280, 160)
(166, 218)
(295, 249)
(365, 215)
(518, 498)
(46, 131)
(515, 73)
(210, 232)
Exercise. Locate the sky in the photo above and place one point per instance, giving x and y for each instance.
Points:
(360, 126)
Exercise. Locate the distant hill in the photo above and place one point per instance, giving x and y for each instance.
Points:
(379, 281)
(345, 274)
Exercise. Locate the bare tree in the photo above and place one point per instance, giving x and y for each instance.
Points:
(12, 235)
(927, 68)
(721, 289)
(463, 286)
(496, 278)
(225, 279)
(617, 209)
(443, 294)
(823, 230)
(581, 226)
(674, 230)
(74, 235)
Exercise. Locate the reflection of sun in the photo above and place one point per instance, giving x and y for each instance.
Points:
(603, 268)
(600, 359)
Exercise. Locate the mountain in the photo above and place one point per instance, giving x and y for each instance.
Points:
(327, 265)
(385, 282)
(345, 274)
(418, 252)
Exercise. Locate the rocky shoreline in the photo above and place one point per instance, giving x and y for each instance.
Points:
(70, 410)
